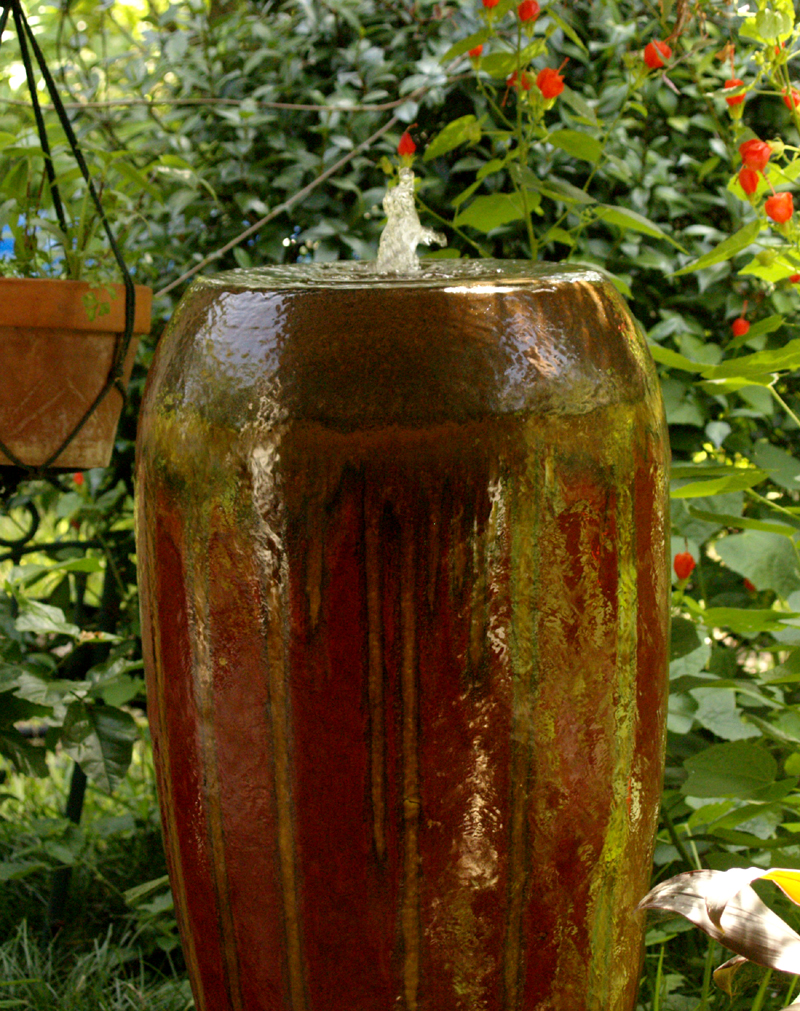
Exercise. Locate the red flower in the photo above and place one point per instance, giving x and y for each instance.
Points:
(78, 478)
(779, 207)
(755, 154)
(791, 100)
(748, 180)
(476, 52)
(653, 53)
(550, 82)
(528, 10)
(525, 81)
(684, 563)
(406, 145)
(794, 278)
(490, 3)
(734, 82)
(740, 326)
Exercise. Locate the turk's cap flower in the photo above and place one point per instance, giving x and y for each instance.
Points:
(779, 207)
(748, 180)
(528, 10)
(684, 564)
(550, 82)
(734, 82)
(755, 154)
(655, 53)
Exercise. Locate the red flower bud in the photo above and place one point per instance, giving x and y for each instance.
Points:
(550, 82)
(528, 10)
(794, 278)
(684, 563)
(792, 99)
(779, 207)
(734, 82)
(755, 154)
(406, 145)
(655, 53)
(78, 478)
(476, 52)
(525, 81)
(748, 180)
(740, 326)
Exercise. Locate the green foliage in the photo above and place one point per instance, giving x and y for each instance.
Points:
(628, 169)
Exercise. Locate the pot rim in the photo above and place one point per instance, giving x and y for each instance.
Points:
(57, 303)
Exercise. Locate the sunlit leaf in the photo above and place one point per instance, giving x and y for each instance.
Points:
(746, 926)
(726, 249)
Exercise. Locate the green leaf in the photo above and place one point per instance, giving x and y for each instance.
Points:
(665, 356)
(627, 219)
(764, 326)
(742, 522)
(557, 189)
(465, 130)
(782, 467)
(764, 559)
(726, 249)
(734, 769)
(738, 479)
(486, 213)
(499, 64)
(786, 358)
(464, 45)
(579, 104)
(577, 144)
(568, 30)
(48, 691)
(14, 871)
(34, 616)
(28, 759)
(100, 739)
(717, 712)
(744, 620)
(684, 638)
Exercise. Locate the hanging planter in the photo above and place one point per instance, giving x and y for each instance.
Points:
(60, 360)
(405, 619)
(67, 345)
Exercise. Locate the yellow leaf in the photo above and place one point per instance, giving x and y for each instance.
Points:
(787, 880)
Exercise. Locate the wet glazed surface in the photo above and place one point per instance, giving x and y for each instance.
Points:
(406, 636)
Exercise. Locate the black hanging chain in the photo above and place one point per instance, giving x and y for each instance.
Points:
(27, 39)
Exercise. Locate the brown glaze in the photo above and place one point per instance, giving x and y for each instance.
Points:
(404, 600)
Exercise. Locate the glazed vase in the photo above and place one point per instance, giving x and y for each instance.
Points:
(402, 550)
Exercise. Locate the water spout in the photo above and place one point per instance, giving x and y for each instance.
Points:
(397, 251)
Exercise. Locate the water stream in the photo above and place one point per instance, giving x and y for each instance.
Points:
(397, 251)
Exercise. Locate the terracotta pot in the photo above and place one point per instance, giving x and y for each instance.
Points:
(56, 361)
(405, 615)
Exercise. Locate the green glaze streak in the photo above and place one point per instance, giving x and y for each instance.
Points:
(525, 505)
(171, 840)
(279, 717)
(204, 694)
(607, 978)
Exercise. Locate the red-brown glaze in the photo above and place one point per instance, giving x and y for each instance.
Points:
(422, 668)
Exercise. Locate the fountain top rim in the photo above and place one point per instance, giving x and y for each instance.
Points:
(341, 275)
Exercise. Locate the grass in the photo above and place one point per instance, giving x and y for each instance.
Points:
(107, 977)
(104, 955)
(113, 955)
